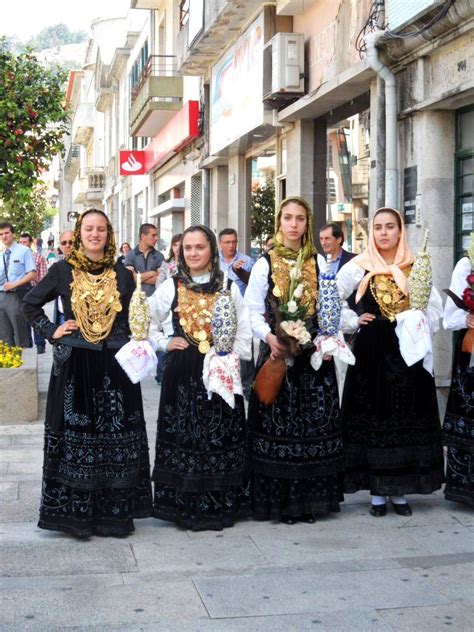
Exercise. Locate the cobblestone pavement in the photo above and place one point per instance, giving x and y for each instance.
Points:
(349, 572)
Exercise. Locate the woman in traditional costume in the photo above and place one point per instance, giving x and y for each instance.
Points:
(458, 428)
(295, 440)
(96, 473)
(201, 478)
(392, 434)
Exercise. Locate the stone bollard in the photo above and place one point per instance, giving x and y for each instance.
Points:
(19, 391)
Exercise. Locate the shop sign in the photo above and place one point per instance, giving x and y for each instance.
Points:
(237, 89)
(132, 163)
(179, 132)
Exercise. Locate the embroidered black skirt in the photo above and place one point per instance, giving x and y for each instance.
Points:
(458, 429)
(296, 444)
(392, 431)
(96, 474)
(201, 478)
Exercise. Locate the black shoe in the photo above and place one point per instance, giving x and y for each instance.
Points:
(402, 509)
(308, 518)
(40, 349)
(378, 510)
(287, 520)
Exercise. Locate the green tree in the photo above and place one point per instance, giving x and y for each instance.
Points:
(56, 35)
(263, 210)
(32, 123)
(30, 215)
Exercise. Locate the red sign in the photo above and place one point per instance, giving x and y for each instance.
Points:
(132, 163)
(179, 132)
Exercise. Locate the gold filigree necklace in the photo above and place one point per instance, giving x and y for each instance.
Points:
(390, 299)
(95, 301)
(195, 311)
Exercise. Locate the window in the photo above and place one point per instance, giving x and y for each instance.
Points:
(464, 222)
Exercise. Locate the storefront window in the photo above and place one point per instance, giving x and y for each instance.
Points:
(464, 180)
(263, 171)
(348, 165)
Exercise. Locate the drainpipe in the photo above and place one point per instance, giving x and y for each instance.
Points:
(391, 136)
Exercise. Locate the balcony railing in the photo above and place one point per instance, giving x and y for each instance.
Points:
(95, 178)
(156, 66)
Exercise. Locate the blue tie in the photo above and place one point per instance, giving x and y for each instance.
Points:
(6, 262)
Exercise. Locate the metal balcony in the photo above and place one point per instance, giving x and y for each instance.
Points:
(156, 96)
(71, 163)
(223, 19)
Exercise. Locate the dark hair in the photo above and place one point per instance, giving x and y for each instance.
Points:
(337, 231)
(174, 240)
(268, 239)
(28, 236)
(227, 231)
(9, 225)
(145, 229)
(387, 209)
(125, 243)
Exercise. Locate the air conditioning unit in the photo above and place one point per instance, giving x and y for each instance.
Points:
(288, 63)
(400, 13)
(283, 67)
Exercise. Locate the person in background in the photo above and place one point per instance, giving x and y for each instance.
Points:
(96, 472)
(238, 267)
(392, 431)
(41, 270)
(124, 250)
(268, 243)
(172, 258)
(17, 271)
(331, 239)
(144, 258)
(235, 263)
(167, 269)
(51, 255)
(458, 427)
(65, 246)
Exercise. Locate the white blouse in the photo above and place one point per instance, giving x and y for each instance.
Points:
(348, 280)
(160, 307)
(255, 296)
(454, 317)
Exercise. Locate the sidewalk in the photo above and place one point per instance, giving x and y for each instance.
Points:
(350, 572)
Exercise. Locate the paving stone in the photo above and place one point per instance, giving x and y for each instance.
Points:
(336, 546)
(355, 621)
(24, 471)
(236, 554)
(8, 491)
(100, 605)
(428, 619)
(443, 539)
(306, 592)
(456, 582)
(19, 453)
(55, 583)
(67, 556)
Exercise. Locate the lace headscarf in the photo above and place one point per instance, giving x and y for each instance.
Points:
(183, 274)
(372, 261)
(78, 257)
(307, 242)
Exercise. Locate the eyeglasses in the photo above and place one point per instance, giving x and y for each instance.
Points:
(68, 242)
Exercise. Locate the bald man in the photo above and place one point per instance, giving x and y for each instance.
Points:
(65, 242)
